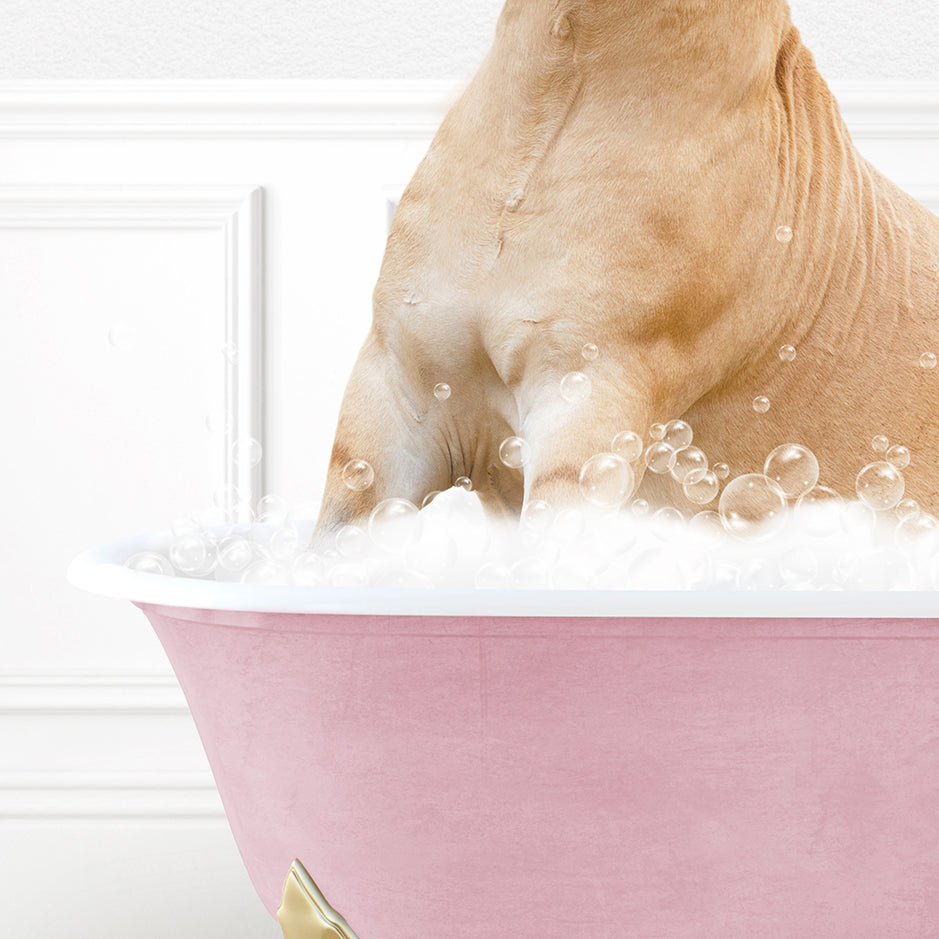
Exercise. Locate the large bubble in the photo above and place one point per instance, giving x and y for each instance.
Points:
(793, 468)
(394, 524)
(753, 507)
(606, 480)
(880, 485)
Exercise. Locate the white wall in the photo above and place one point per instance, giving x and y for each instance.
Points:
(380, 39)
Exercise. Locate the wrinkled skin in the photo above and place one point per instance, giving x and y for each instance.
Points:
(615, 173)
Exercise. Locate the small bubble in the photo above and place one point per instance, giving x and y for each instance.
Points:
(880, 486)
(272, 510)
(308, 569)
(235, 553)
(880, 443)
(787, 353)
(628, 445)
(701, 489)
(677, 435)
(656, 431)
(911, 531)
(264, 571)
(753, 507)
(689, 466)
(537, 516)
(898, 456)
(149, 562)
(721, 470)
(351, 541)
(246, 451)
(590, 352)
(429, 498)
(230, 351)
(576, 387)
(514, 452)
(394, 524)
(668, 523)
(927, 360)
(358, 475)
(793, 468)
(907, 508)
(659, 457)
(121, 336)
(818, 511)
(464, 482)
(639, 507)
(761, 404)
(606, 480)
(442, 391)
(285, 543)
(784, 234)
(707, 527)
(799, 566)
(189, 553)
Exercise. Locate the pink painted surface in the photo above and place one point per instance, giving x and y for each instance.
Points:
(467, 778)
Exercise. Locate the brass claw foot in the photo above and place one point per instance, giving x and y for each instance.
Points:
(304, 913)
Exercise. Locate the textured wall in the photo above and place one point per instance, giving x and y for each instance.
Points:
(376, 39)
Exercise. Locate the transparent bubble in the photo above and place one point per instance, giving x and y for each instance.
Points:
(537, 516)
(149, 562)
(721, 470)
(265, 571)
(285, 543)
(701, 489)
(122, 336)
(818, 511)
(219, 422)
(442, 391)
(639, 507)
(880, 486)
(628, 445)
(464, 482)
(351, 541)
(606, 480)
(753, 507)
(246, 451)
(793, 468)
(689, 462)
(707, 528)
(429, 498)
(761, 404)
(189, 553)
(589, 351)
(857, 518)
(514, 452)
(493, 576)
(880, 443)
(272, 510)
(799, 566)
(348, 574)
(235, 553)
(230, 351)
(784, 234)
(308, 570)
(917, 530)
(659, 457)
(358, 475)
(898, 456)
(575, 387)
(568, 524)
(394, 524)
(668, 523)
(656, 431)
(907, 508)
(787, 353)
(927, 360)
(677, 435)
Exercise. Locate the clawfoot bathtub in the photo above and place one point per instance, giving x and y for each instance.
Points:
(539, 765)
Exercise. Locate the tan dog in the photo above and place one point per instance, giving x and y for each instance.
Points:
(616, 173)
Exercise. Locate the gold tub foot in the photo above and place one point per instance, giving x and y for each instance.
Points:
(304, 913)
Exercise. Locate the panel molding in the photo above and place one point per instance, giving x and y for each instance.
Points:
(348, 109)
(236, 212)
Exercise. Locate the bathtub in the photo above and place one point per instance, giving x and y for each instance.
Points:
(539, 765)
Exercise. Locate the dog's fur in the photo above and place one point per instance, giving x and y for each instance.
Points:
(615, 173)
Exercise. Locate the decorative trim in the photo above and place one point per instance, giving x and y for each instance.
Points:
(33, 694)
(236, 212)
(400, 110)
(304, 913)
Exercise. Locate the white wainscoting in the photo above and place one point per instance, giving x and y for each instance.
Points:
(196, 218)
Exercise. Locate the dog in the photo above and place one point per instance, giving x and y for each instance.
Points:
(672, 182)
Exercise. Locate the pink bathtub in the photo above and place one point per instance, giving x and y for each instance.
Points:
(543, 765)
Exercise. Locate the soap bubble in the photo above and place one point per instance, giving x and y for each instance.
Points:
(351, 541)
(284, 543)
(880, 485)
(265, 571)
(753, 507)
(913, 530)
(149, 562)
(668, 523)
(857, 519)
(628, 445)
(464, 482)
(721, 470)
(514, 452)
(701, 489)
(537, 516)
(308, 570)
(639, 507)
(677, 435)
(799, 566)
(907, 508)
(707, 528)
(689, 462)
(794, 469)
(576, 387)
(761, 404)
(429, 498)
(880, 443)
(394, 524)
(787, 353)
(818, 511)
(189, 553)
(121, 336)
(927, 360)
(656, 431)
(899, 457)
(784, 234)
(589, 351)
(230, 351)
(358, 475)
(246, 451)
(227, 495)
(272, 510)
(442, 391)
(235, 553)
(568, 524)
(659, 457)
(606, 479)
